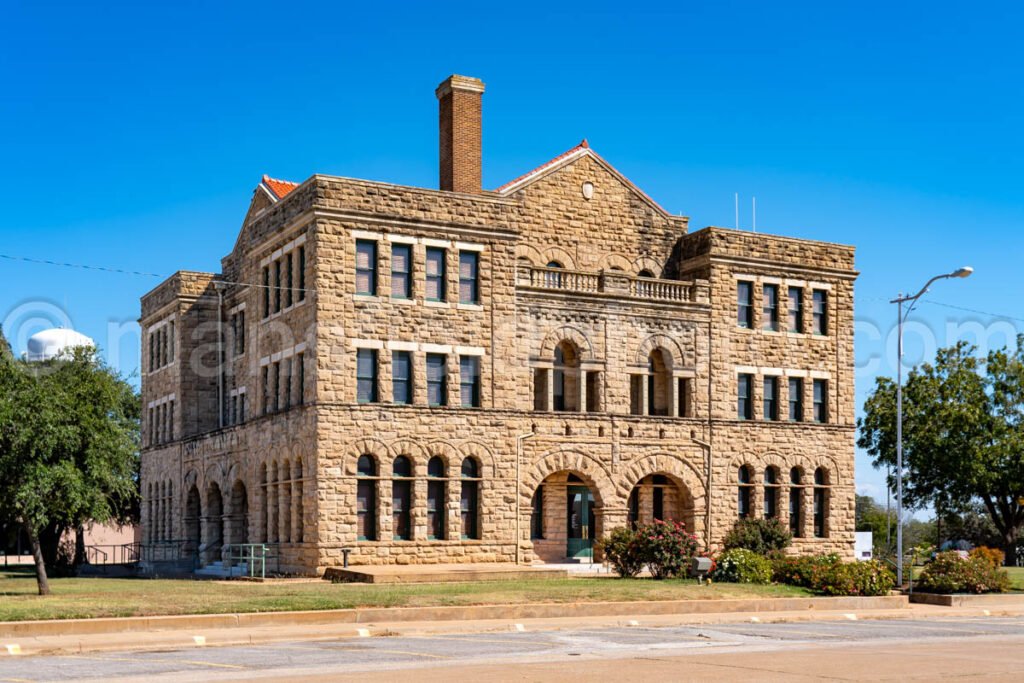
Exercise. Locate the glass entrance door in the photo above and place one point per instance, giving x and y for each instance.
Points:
(580, 522)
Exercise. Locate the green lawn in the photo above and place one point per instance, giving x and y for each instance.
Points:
(1016, 578)
(97, 597)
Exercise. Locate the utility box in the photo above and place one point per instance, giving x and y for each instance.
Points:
(699, 567)
(863, 545)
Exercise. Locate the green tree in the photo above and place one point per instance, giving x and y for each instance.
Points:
(69, 445)
(963, 434)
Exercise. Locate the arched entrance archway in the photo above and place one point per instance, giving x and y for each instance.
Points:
(566, 517)
(663, 497)
(193, 519)
(213, 536)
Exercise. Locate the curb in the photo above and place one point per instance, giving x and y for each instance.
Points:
(68, 627)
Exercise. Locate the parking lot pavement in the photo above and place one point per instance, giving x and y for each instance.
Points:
(570, 648)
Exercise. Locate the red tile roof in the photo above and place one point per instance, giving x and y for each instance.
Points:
(280, 188)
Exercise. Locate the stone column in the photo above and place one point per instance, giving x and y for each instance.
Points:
(670, 395)
(645, 382)
(581, 382)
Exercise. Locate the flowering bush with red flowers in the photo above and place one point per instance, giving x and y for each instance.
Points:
(950, 573)
(667, 548)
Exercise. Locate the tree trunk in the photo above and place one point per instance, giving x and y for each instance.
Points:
(79, 547)
(37, 555)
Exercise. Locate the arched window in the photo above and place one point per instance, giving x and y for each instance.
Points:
(771, 492)
(645, 273)
(555, 264)
(272, 509)
(401, 499)
(553, 279)
(796, 503)
(437, 499)
(469, 500)
(261, 528)
(659, 383)
(285, 502)
(820, 503)
(744, 492)
(297, 496)
(366, 498)
(566, 377)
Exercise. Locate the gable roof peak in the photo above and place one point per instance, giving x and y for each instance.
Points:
(278, 189)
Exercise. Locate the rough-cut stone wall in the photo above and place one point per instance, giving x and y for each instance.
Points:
(613, 320)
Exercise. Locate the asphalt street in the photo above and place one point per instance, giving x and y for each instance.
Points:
(452, 656)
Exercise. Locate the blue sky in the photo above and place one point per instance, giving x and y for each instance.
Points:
(132, 136)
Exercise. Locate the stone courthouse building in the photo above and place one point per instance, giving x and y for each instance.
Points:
(467, 375)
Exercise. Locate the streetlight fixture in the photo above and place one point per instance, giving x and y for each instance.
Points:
(963, 272)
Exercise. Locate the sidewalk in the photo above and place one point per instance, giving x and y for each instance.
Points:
(251, 629)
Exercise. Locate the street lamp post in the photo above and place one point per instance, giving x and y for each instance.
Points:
(901, 318)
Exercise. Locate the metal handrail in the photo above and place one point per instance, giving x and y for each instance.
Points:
(253, 556)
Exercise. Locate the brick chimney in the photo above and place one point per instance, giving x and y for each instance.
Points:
(459, 99)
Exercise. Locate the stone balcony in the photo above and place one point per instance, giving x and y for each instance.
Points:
(613, 283)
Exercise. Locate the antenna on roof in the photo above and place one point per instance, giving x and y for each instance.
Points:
(754, 211)
(737, 210)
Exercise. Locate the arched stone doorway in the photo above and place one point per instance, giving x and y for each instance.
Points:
(237, 531)
(565, 517)
(663, 497)
(213, 536)
(193, 520)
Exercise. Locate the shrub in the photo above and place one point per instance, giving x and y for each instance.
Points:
(994, 556)
(762, 536)
(853, 578)
(740, 565)
(666, 548)
(623, 549)
(803, 570)
(951, 573)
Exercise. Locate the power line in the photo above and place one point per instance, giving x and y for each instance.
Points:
(121, 271)
(77, 265)
(973, 310)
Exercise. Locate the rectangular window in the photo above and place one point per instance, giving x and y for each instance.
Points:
(636, 394)
(170, 341)
(537, 514)
(820, 503)
(796, 399)
(300, 366)
(770, 307)
(277, 286)
(401, 271)
(820, 312)
(796, 309)
(286, 385)
(275, 376)
(170, 420)
(745, 304)
(469, 286)
(436, 266)
(796, 501)
(238, 333)
(152, 351)
(266, 291)
(366, 510)
(152, 428)
(820, 400)
(366, 267)
(437, 379)
(683, 397)
(436, 503)
(366, 375)
(301, 294)
(289, 279)
(266, 389)
(744, 399)
(593, 391)
(241, 408)
(770, 398)
(401, 377)
(469, 381)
